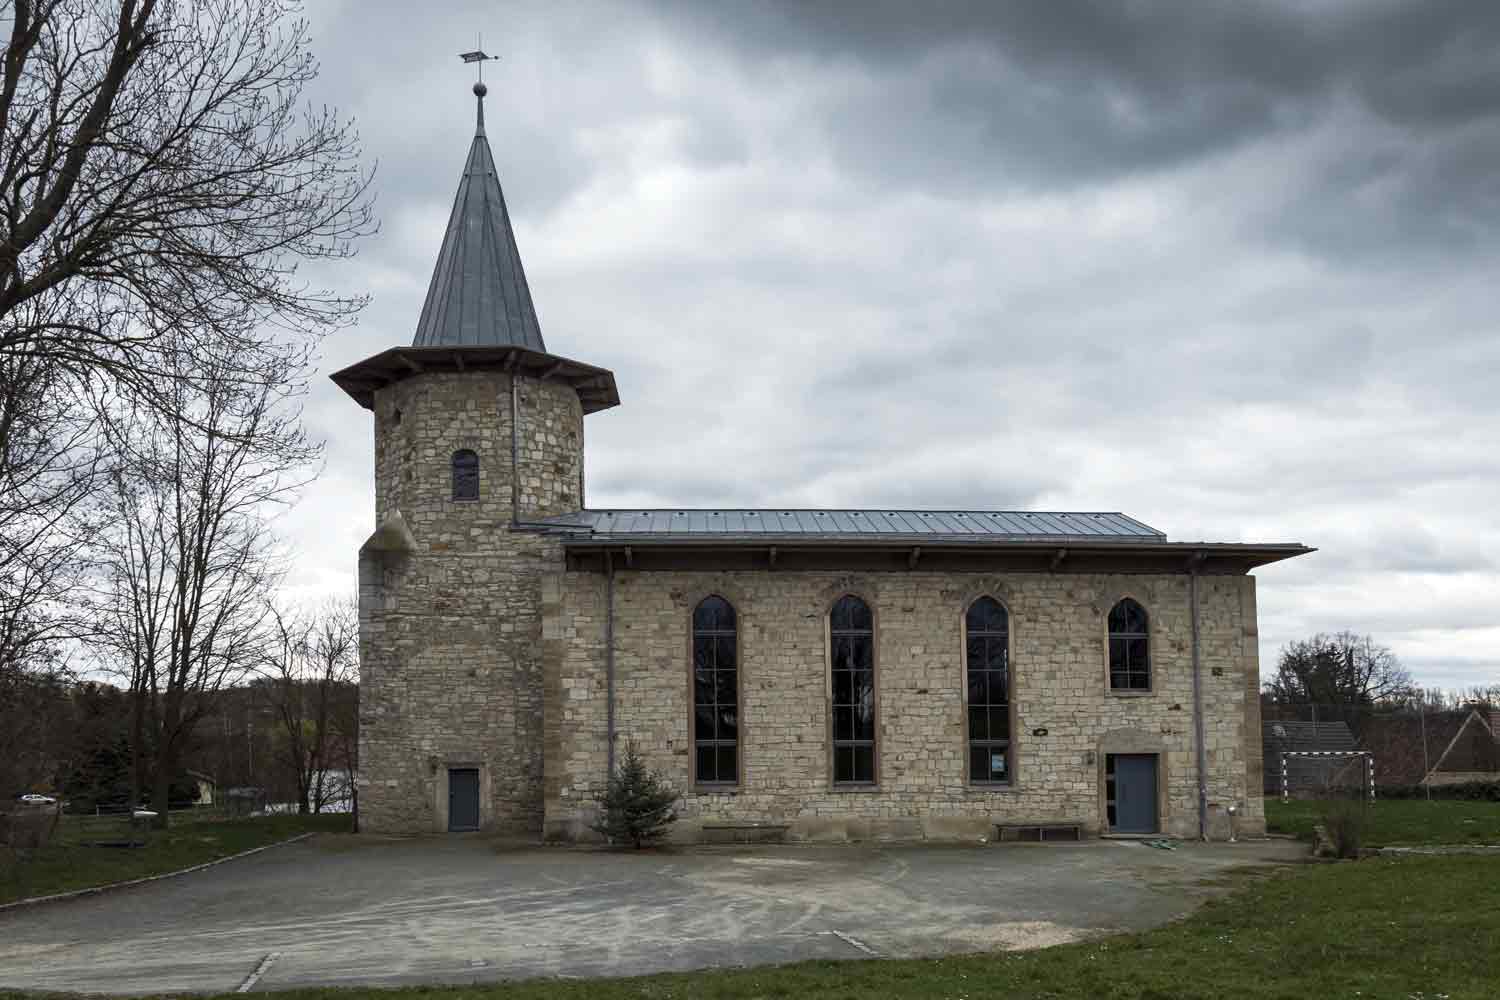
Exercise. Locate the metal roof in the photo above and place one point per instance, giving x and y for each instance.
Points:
(595, 386)
(790, 524)
(478, 295)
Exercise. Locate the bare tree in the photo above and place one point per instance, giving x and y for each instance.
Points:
(48, 461)
(160, 175)
(311, 671)
(189, 554)
(1343, 670)
(33, 732)
(161, 179)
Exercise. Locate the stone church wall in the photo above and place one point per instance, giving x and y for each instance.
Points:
(1060, 685)
(450, 624)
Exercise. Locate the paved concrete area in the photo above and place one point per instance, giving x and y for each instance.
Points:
(346, 910)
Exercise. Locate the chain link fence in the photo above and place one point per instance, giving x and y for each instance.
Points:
(1414, 751)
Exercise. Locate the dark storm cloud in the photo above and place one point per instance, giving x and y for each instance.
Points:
(965, 98)
(1227, 267)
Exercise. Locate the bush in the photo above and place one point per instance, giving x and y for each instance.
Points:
(1344, 822)
(636, 807)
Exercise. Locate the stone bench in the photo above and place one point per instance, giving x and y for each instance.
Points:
(743, 833)
(1038, 832)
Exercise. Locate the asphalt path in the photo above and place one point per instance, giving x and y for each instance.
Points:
(345, 910)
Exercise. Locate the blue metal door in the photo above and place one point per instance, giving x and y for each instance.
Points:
(1134, 793)
(463, 799)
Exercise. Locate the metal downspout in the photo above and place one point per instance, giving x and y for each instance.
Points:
(609, 660)
(515, 448)
(1198, 730)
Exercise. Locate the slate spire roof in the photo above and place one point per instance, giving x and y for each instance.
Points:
(478, 296)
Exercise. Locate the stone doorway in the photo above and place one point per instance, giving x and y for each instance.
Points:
(463, 799)
(1130, 792)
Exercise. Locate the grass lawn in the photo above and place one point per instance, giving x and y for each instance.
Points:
(1400, 822)
(1419, 928)
(66, 863)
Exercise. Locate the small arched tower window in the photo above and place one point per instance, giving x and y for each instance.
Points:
(1129, 647)
(851, 630)
(465, 475)
(987, 669)
(716, 731)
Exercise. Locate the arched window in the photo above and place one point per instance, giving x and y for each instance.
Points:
(851, 630)
(1129, 647)
(715, 693)
(465, 475)
(987, 670)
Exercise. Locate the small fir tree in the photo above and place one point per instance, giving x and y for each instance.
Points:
(636, 807)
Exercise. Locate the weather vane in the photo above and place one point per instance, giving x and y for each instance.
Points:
(478, 56)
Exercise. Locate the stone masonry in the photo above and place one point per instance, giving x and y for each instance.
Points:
(1060, 685)
(483, 630)
(450, 597)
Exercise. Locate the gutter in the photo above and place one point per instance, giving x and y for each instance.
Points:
(580, 538)
(1199, 736)
(609, 662)
(515, 467)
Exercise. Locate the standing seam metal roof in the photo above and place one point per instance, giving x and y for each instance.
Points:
(875, 523)
(478, 296)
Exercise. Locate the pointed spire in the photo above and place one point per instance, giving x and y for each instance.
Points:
(478, 295)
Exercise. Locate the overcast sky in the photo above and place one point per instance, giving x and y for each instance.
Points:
(1228, 268)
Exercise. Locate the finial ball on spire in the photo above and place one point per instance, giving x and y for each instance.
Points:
(480, 89)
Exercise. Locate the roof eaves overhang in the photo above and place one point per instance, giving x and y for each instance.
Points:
(595, 386)
(1059, 551)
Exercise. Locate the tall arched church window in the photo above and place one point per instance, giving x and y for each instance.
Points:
(716, 696)
(987, 672)
(465, 475)
(1129, 647)
(851, 630)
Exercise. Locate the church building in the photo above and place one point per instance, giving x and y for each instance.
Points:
(795, 674)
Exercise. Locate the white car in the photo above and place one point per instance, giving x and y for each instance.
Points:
(41, 800)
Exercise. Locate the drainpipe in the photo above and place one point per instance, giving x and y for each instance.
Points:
(609, 659)
(1198, 733)
(515, 465)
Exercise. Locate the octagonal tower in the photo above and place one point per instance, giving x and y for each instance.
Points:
(478, 431)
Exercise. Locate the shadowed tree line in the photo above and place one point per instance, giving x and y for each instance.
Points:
(289, 729)
(168, 205)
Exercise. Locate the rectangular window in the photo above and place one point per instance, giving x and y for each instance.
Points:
(1128, 664)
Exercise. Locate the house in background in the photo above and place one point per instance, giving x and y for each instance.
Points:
(1473, 754)
(1309, 775)
(1407, 747)
(206, 787)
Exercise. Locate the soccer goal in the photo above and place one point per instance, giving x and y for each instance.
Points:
(1369, 759)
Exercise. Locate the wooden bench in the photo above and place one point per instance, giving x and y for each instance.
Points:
(1037, 832)
(744, 833)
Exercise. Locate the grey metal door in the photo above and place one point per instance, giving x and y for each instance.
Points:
(1135, 793)
(463, 798)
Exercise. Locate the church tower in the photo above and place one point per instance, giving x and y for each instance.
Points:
(478, 433)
